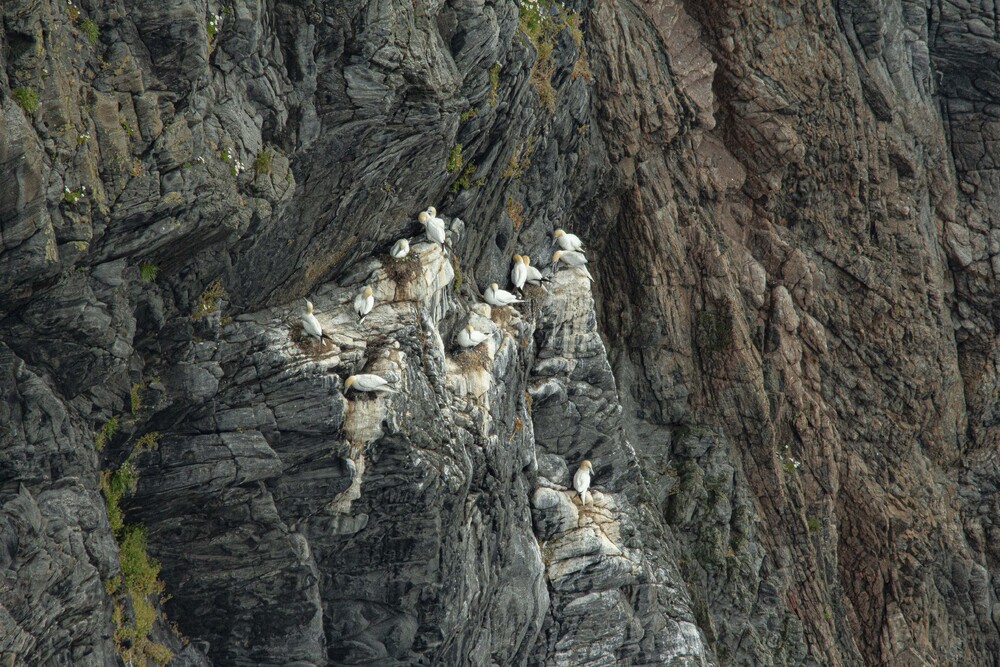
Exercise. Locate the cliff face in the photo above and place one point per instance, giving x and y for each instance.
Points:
(786, 374)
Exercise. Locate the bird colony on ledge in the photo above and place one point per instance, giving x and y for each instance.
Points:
(570, 254)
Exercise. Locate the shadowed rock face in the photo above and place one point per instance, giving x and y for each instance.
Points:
(786, 373)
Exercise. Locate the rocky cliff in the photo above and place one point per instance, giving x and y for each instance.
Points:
(786, 373)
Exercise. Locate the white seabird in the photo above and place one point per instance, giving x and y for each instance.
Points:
(434, 227)
(567, 241)
(499, 297)
(535, 276)
(572, 258)
(364, 302)
(367, 382)
(401, 249)
(581, 481)
(311, 325)
(519, 273)
(470, 337)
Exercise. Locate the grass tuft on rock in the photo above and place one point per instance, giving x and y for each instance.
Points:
(106, 433)
(208, 302)
(90, 30)
(262, 164)
(148, 271)
(494, 84)
(26, 97)
(455, 159)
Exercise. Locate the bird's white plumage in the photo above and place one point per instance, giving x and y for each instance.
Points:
(518, 274)
(367, 382)
(364, 302)
(470, 337)
(401, 249)
(572, 258)
(499, 297)
(534, 276)
(433, 226)
(567, 241)
(581, 481)
(309, 322)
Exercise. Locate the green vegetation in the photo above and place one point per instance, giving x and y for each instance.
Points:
(135, 397)
(813, 524)
(262, 163)
(541, 23)
(464, 181)
(494, 83)
(140, 573)
(107, 432)
(468, 114)
(73, 11)
(148, 271)
(75, 195)
(26, 97)
(90, 30)
(541, 29)
(455, 159)
(208, 302)
(520, 160)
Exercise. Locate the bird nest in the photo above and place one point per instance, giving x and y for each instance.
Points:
(473, 359)
(310, 346)
(501, 315)
(402, 271)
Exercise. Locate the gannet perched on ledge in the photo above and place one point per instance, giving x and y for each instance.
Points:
(535, 276)
(572, 258)
(499, 297)
(400, 250)
(581, 480)
(567, 241)
(470, 337)
(433, 226)
(518, 274)
(367, 382)
(311, 325)
(364, 302)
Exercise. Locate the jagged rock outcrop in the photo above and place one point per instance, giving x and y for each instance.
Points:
(786, 373)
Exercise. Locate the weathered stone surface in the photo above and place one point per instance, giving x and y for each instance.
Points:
(786, 375)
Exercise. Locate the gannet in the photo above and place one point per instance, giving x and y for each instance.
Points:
(535, 276)
(581, 480)
(434, 227)
(364, 302)
(367, 382)
(433, 212)
(571, 258)
(519, 273)
(499, 297)
(567, 241)
(401, 249)
(311, 325)
(470, 337)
